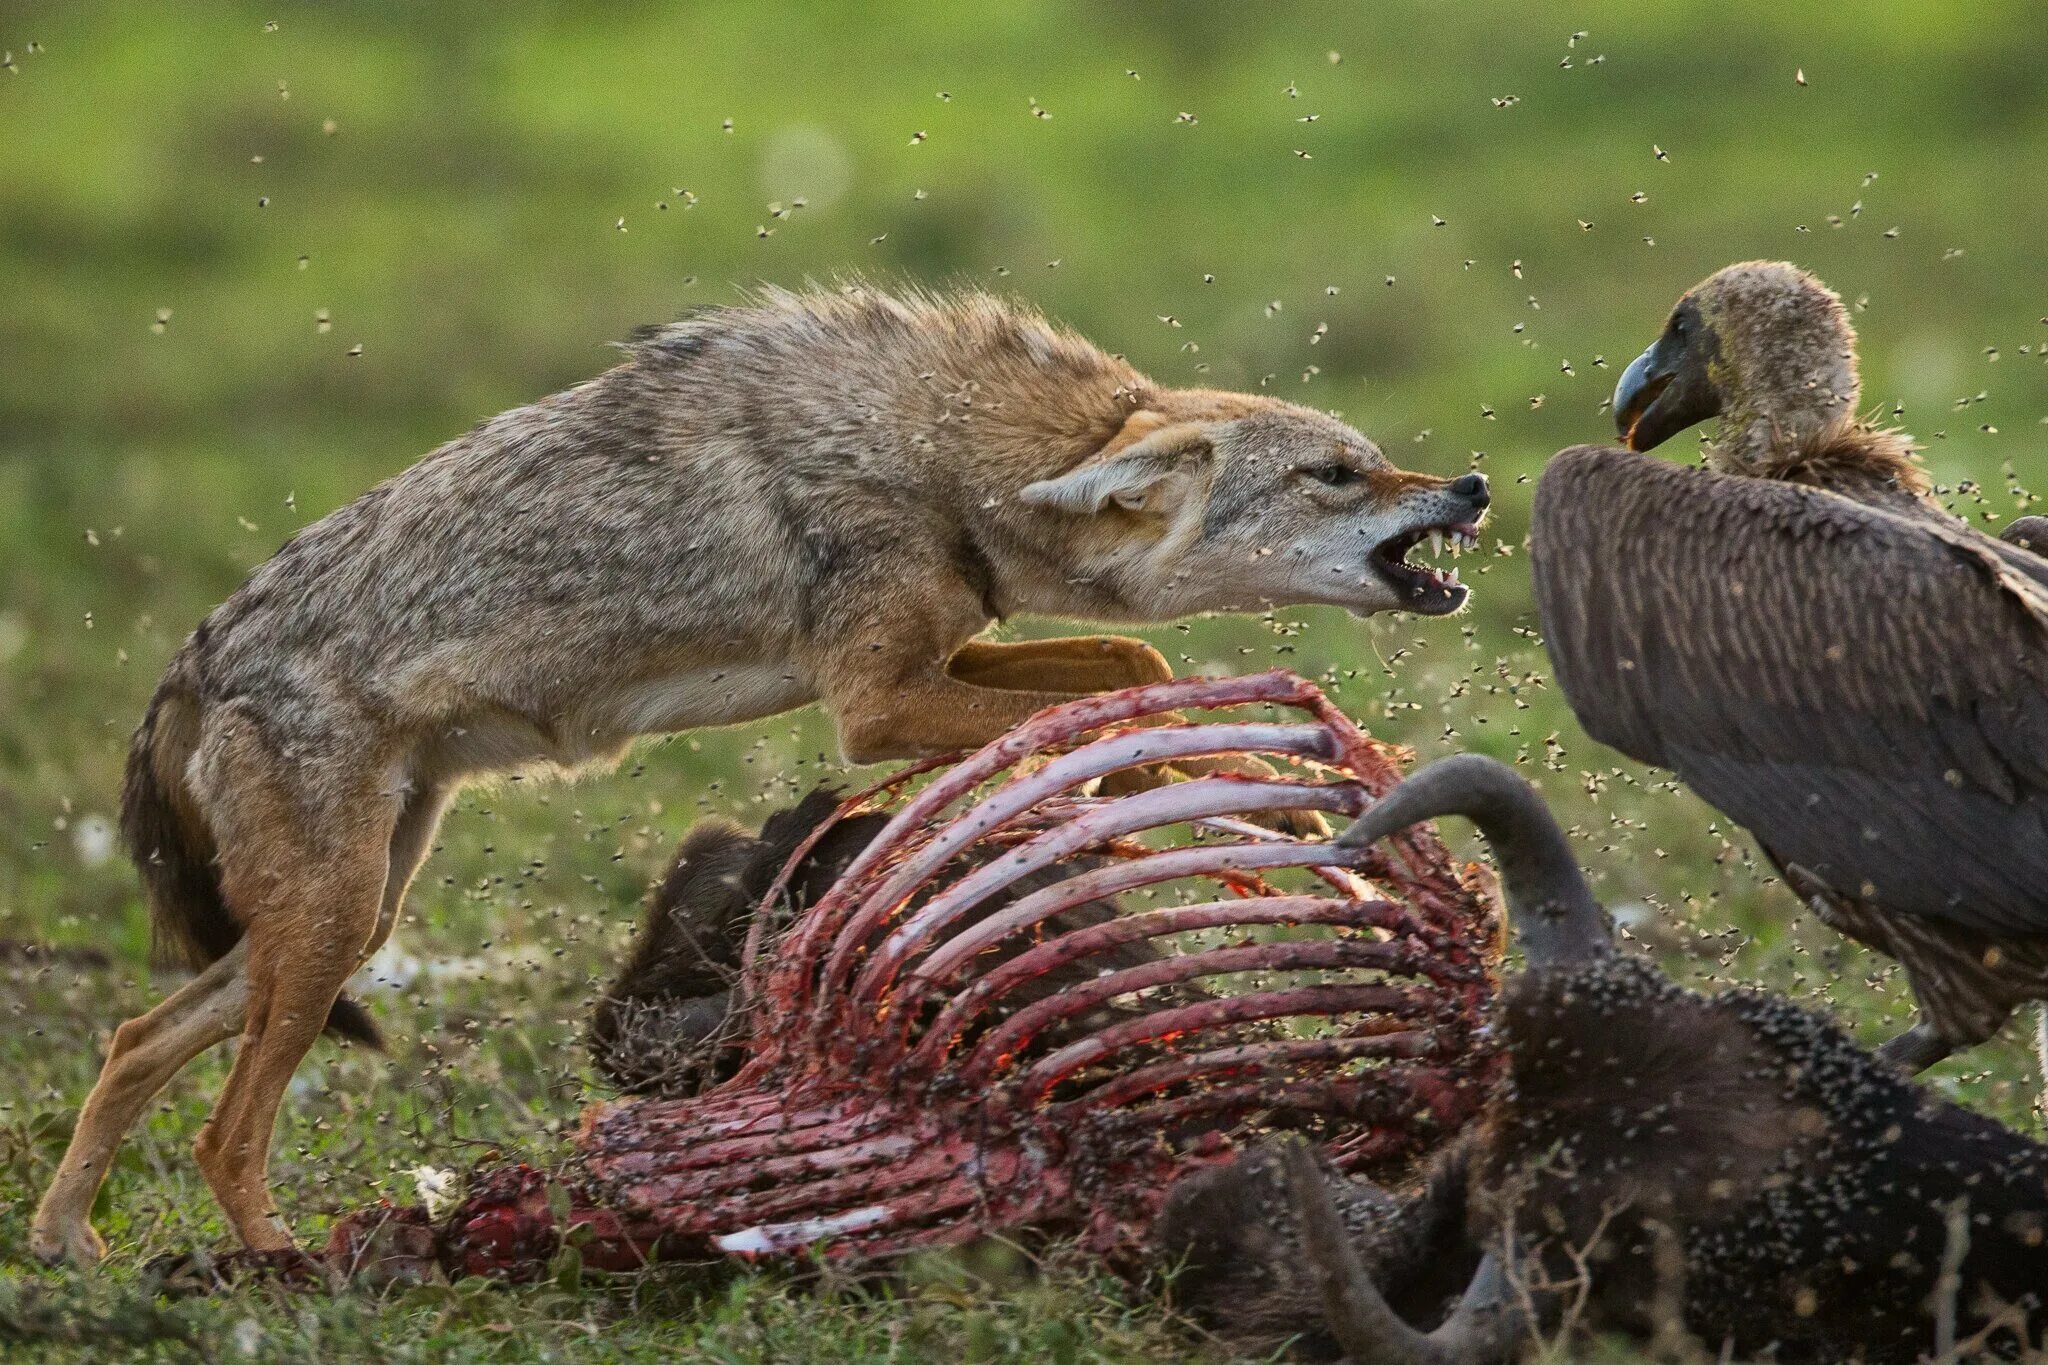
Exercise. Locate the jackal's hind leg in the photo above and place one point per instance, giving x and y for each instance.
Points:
(147, 1051)
(312, 898)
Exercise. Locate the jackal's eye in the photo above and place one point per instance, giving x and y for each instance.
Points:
(1333, 475)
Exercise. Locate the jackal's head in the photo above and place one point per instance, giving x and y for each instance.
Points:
(1226, 502)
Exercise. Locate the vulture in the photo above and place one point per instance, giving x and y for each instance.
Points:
(1811, 642)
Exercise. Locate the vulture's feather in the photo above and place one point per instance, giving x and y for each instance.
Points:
(1865, 690)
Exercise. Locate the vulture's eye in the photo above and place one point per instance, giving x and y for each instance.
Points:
(1334, 475)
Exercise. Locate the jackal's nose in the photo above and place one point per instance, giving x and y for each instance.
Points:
(1472, 488)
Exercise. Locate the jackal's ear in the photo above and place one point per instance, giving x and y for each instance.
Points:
(1143, 476)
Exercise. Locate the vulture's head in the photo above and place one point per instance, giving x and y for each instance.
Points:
(1764, 346)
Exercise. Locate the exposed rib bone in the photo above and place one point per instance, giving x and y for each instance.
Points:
(1146, 810)
(1149, 870)
(991, 987)
(1286, 1058)
(1045, 730)
(1009, 1038)
(1134, 749)
(1036, 1081)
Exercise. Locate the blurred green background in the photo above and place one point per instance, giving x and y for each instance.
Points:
(253, 259)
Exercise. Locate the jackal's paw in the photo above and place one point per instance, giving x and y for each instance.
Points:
(75, 1242)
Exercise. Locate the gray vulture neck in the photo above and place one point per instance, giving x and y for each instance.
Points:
(1853, 458)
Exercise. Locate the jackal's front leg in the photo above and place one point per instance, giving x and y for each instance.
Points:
(1074, 663)
(909, 707)
(1105, 663)
(987, 687)
(887, 715)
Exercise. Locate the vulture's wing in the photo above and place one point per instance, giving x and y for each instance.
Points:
(1865, 691)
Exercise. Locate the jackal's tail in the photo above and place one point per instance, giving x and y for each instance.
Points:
(167, 837)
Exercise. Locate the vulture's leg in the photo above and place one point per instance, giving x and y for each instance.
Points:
(1918, 1048)
(1484, 1327)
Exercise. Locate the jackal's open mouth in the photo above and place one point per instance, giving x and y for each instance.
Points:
(1423, 588)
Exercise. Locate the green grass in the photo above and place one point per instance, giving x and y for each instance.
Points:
(461, 224)
(955, 1308)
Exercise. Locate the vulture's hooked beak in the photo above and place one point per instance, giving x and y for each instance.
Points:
(1667, 389)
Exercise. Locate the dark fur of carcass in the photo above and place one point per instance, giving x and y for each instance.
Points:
(658, 1026)
(1732, 1169)
(1230, 1245)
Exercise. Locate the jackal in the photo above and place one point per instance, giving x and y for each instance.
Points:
(821, 496)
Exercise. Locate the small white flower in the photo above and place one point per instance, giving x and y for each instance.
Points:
(436, 1189)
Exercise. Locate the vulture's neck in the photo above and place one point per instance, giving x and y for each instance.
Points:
(1847, 456)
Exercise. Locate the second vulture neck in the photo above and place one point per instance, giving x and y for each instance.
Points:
(1830, 449)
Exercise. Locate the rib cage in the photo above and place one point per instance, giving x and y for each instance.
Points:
(891, 1101)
